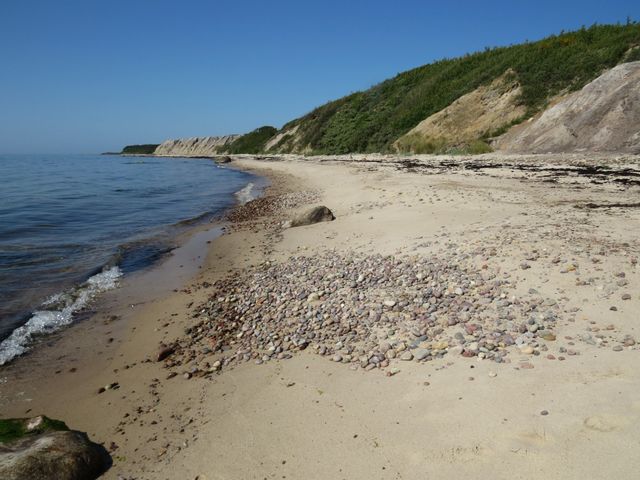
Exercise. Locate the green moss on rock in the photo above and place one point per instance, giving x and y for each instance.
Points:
(15, 428)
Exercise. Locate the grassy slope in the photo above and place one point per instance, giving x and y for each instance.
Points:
(252, 142)
(372, 120)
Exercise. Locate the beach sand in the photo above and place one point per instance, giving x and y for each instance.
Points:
(531, 416)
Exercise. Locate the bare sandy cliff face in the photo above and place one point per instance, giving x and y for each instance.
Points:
(486, 109)
(602, 117)
(288, 141)
(194, 147)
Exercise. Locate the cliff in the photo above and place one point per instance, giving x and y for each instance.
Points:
(576, 91)
(373, 120)
(463, 123)
(604, 116)
(146, 149)
(195, 147)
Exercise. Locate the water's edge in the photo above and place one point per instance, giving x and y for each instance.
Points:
(62, 309)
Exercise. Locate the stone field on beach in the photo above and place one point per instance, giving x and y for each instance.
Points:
(373, 311)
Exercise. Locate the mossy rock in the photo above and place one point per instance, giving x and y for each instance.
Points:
(15, 428)
(40, 448)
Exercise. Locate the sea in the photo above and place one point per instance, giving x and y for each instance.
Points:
(71, 226)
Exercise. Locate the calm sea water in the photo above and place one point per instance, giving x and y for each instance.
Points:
(72, 225)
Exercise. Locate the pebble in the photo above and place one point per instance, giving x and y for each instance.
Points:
(412, 308)
(406, 356)
(421, 353)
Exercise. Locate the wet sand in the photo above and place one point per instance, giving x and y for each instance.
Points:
(312, 417)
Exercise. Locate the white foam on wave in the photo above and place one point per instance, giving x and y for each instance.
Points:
(246, 194)
(62, 307)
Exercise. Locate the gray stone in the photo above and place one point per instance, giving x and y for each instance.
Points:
(406, 356)
(314, 215)
(421, 353)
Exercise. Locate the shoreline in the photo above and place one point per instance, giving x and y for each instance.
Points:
(128, 259)
(103, 324)
(364, 422)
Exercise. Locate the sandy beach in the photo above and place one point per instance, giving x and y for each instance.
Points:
(466, 318)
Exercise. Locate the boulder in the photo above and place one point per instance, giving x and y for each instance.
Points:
(314, 215)
(40, 449)
(223, 159)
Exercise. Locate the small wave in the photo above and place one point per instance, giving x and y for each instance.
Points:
(58, 313)
(194, 220)
(246, 194)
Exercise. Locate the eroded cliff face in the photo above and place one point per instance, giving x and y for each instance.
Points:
(486, 109)
(195, 146)
(602, 117)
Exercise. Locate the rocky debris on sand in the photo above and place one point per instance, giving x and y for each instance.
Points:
(164, 351)
(40, 448)
(314, 215)
(365, 310)
(270, 206)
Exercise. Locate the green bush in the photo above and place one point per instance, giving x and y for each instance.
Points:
(477, 147)
(253, 142)
(416, 143)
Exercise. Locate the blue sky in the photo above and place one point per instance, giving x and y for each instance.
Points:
(89, 76)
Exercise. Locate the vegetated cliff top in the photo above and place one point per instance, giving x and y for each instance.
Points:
(146, 149)
(372, 120)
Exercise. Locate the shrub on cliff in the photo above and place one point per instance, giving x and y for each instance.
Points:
(253, 142)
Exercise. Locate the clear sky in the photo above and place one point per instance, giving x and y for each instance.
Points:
(82, 76)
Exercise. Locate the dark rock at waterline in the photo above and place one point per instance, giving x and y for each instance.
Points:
(314, 215)
(223, 159)
(40, 448)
